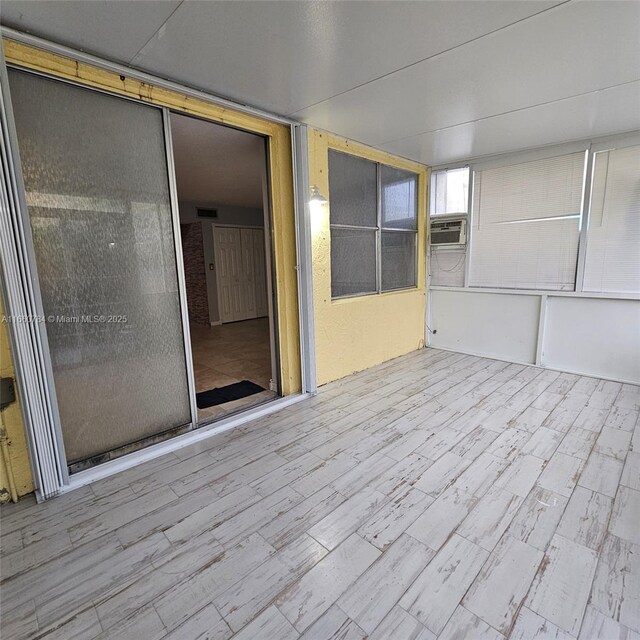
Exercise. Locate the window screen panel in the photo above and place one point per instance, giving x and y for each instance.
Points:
(613, 242)
(398, 260)
(97, 192)
(526, 224)
(353, 262)
(447, 266)
(353, 190)
(399, 196)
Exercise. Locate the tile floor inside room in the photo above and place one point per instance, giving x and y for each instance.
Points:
(437, 496)
(229, 353)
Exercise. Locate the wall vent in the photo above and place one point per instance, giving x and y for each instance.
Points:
(207, 213)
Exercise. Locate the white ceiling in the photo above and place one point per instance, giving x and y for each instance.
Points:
(434, 81)
(216, 164)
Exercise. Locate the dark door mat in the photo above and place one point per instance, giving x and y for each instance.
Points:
(229, 393)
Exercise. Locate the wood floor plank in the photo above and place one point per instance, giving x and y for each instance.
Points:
(402, 474)
(306, 600)
(543, 443)
(345, 519)
(497, 593)
(480, 474)
(269, 624)
(400, 624)
(586, 517)
(602, 474)
(531, 626)
(293, 522)
(621, 418)
(222, 571)
(616, 585)
(243, 601)
(434, 527)
(120, 515)
(333, 625)
(613, 442)
(375, 593)
(323, 474)
(464, 624)
(625, 518)
(538, 517)
(561, 589)
(436, 593)
(578, 443)
(254, 517)
(207, 624)
(597, 626)
(631, 471)
(442, 474)
(561, 474)
(521, 475)
(386, 526)
(211, 513)
(490, 518)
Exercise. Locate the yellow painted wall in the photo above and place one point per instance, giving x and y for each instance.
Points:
(353, 334)
(14, 423)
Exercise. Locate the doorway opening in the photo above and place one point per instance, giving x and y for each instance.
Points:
(225, 224)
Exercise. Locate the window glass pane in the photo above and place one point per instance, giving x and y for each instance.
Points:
(613, 243)
(352, 190)
(398, 260)
(399, 192)
(353, 262)
(450, 191)
(97, 192)
(525, 224)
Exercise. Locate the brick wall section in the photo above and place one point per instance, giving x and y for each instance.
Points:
(194, 272)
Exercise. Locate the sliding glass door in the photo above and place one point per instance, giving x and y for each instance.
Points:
(96, 179)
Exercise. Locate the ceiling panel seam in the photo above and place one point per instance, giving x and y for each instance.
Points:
(506, 113)
(132, 61)
(431, 57)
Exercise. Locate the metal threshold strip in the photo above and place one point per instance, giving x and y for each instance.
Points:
(100, 472)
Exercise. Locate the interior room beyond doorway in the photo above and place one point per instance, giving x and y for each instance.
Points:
(224, 224)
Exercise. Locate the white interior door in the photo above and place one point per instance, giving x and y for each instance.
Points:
(248, 275)
(228, 255)
(242, 278)
(260, 273)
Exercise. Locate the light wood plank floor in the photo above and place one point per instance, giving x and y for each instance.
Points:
(437, 496)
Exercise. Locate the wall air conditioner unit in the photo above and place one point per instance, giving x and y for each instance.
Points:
(449, 231)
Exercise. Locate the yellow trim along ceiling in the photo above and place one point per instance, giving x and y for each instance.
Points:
(13, 422)
(353, 334)
(280, 174)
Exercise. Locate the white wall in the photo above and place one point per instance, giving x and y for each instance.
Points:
(502, 326)
(226, 215)
(593, 336)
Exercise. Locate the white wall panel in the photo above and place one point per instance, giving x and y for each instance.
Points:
(503, 326)
(599, 337)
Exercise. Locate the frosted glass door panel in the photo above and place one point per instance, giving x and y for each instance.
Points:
(97, 190)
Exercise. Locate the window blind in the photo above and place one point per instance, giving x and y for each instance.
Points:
(613, 239)
(525, 221)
